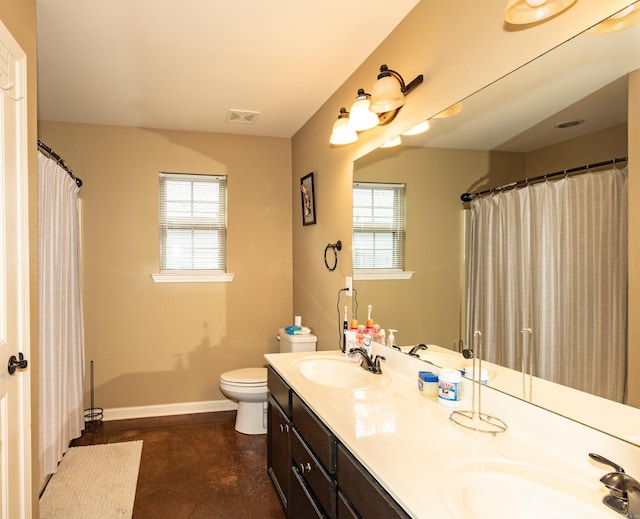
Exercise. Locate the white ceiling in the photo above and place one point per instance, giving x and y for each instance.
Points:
(184, 65)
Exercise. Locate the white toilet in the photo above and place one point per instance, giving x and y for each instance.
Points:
(248, 386)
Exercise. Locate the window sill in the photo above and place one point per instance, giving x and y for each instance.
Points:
(192, 278)
(380, 274)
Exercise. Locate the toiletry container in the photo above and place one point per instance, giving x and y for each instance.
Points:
(450, 387)
(248, 386)
(391, 338)
(428, 383)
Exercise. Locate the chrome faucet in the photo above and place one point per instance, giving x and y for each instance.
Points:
(415, 349)
(624, 491)
(371, 365)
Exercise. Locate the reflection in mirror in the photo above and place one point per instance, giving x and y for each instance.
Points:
(511, 130)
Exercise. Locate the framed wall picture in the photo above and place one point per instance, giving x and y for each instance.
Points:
(308, 197)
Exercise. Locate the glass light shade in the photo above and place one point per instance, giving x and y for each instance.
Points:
(624, 19)
(361, 117)
(448, 112)
(341, 133)
(418, 128)
(386, 95)
(531, 11)
(391, 143)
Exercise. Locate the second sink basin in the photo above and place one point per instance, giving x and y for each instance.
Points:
(334, 372)
(502, 489)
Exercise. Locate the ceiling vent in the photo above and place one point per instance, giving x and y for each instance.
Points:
(242, 116)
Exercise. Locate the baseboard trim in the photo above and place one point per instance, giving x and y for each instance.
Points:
(149, 411)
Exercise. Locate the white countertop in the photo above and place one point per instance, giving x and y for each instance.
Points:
(410, 445)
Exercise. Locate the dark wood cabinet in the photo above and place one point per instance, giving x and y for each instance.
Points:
(314, 474)
(362, 492)
(278, 450)
(278, 430)
(302, 503)
(320, 485)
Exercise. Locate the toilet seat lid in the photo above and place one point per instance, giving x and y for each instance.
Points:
(246, 376)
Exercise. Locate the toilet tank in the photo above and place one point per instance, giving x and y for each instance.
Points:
(290, 343)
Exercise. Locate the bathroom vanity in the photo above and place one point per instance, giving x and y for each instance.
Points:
(314, 474)
(345, 443)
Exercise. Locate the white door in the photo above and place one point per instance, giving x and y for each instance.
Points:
(15, 436)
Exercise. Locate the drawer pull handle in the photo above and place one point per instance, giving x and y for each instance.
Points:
(305, 468)
(284, 428)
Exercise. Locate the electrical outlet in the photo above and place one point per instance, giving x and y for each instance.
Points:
(348, 283)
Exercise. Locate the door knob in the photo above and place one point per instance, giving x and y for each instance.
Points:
(16, 363)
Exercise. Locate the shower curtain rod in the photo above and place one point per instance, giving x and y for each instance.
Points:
(467, 197)
(43, 148)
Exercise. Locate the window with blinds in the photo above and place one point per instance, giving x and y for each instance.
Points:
(378, 225)
(193, 230)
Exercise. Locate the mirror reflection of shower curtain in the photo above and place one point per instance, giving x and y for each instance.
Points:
(552, 257)
(61, 330)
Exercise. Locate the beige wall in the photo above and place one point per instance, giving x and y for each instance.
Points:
(596, 147)
(162, 343)
(458, 55)
(426, 308)
(19, 16)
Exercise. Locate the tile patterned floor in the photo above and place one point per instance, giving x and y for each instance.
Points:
(195, 467)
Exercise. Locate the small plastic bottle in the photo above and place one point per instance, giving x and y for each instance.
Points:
(376, 333)
(350, 337)
(391, 338)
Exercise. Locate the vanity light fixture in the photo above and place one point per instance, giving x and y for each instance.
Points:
(391, 143)
(531, 11)
(448, 112)
(341, 133)
(360, 116)
(389, 90)
(623, 19)
(370, 110)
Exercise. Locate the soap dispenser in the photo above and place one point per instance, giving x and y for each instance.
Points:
(391, 338)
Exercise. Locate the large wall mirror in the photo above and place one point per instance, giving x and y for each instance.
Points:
(511, 130)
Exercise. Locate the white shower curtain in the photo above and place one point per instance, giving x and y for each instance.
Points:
(61, 370)
(552, 258)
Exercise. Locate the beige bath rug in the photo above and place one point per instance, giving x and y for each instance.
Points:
(97, 481)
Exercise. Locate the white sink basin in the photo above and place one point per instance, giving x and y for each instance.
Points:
(334, 372)
(503, 489)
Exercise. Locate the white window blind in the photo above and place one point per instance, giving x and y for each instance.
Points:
(193, 222)
(378, 225)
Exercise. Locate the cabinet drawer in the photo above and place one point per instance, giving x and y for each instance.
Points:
(302, 504)
(365, 494)
(320, 483)
(317, 436)
(279, 390)
(278, 451)
(345, 511)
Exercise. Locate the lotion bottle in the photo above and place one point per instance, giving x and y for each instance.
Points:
(391, 338)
